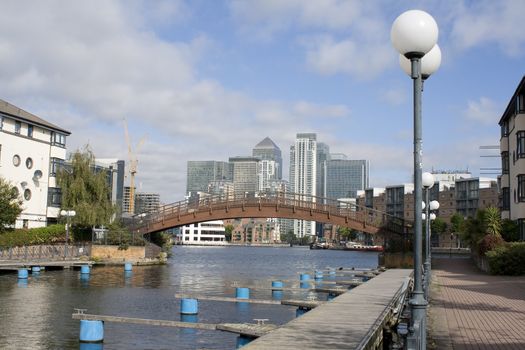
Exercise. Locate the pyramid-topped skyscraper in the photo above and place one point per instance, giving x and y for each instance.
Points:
(268, 150)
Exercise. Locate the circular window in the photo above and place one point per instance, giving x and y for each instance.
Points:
(29, 163)
(16, 160)
(27, 194)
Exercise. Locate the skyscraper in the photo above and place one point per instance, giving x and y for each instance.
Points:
(303, 176)
(344, 177)
(245, 179)
(268, 150)
(201, 173)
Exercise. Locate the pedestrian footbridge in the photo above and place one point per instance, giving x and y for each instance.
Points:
(277, 205)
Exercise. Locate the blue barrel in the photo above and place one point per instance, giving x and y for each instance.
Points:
(304, 277)
(277, 285)
(242, 341)
(305, 285)
(22, 274)
(35, 269)
(189, 306)
(22, 283)
(318, 275)
(242, 293)
(128, 267)
(277, 295)
(91, 331)
(300, 311)
(84, 269)
(91, 346)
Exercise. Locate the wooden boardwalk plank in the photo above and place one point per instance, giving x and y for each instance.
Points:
(342, 323)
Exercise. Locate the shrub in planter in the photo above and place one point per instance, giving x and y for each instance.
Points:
(489, 242)
(508, 259)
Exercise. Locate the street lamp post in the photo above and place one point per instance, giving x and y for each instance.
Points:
(414, 33)
(433, 205)
(68, 214)
(428, 182)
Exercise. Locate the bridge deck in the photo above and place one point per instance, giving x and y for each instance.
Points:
(347, 322)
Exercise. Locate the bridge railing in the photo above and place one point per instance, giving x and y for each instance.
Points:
(367, 216)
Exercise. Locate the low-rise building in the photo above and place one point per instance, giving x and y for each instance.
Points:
(203, 233)
(31, 152)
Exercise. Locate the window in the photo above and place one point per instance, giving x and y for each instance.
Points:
(520, 148)
(54, 167)
(58, 139)
(25, 223)
(29, 130)
(520, 103)
(18, 127)
(54, 197)
(505, 198)
(521, 188)
(505, 129)
(27, 194)
(16, 160)
(29, 163)
(504, 162)
(1, 123)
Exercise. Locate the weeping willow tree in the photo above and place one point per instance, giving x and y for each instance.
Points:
(85, 190)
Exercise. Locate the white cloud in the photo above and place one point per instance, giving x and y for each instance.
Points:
(395, 96)
(483, 110)
(487, 22)
(85, 67)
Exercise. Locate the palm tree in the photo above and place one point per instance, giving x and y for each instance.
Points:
(493, 221)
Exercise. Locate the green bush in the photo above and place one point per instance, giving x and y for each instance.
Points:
(489, 242)
(508, 259)
(41, 235)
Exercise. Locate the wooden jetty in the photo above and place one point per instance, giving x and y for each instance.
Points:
(61, 264)
(353, 320)
(308, 304)
(253, 330)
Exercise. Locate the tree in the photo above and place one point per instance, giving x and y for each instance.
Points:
(86, 190)
(288, 237)
(438, 226)
(457, 221)
(344, 233)
(10, 204)
(228, 229)
(509, 230)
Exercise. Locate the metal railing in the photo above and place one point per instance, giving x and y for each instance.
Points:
(44, 252)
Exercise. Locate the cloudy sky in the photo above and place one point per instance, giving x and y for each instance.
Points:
(206, 80)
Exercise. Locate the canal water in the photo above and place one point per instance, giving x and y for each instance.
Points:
(37, 314)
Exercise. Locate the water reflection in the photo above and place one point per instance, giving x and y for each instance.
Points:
(37, 314)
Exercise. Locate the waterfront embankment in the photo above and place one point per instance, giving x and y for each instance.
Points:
(470, 309)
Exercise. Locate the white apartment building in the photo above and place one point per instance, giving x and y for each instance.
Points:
(303, 173)
(31, 151)
(203, 233)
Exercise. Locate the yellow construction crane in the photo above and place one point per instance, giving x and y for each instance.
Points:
(133, 161)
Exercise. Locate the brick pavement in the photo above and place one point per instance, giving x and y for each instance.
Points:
(473, 310)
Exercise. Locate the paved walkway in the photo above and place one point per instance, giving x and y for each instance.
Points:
(472, 310)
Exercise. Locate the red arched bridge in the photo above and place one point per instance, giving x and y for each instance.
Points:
(268, 205)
